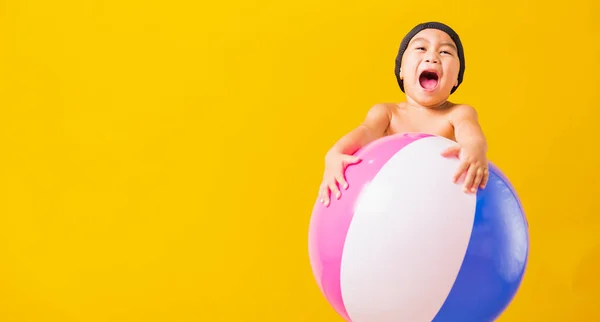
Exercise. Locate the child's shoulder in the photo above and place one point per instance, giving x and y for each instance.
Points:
(380, 115)
(384, 107)
(462, 109)
(458, 113)
(461, 106)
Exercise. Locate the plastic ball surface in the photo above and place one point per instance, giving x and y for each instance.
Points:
(405, 243)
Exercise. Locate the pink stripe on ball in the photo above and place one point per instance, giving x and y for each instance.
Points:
(329, 225)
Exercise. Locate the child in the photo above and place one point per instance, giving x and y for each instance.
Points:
(429, 67)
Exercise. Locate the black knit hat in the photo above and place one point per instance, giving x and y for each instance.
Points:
(431, 25)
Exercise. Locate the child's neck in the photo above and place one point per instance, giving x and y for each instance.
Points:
(410, 103)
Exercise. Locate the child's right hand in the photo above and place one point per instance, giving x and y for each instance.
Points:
(335, 166)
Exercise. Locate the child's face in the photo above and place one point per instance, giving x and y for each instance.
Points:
(430, 67)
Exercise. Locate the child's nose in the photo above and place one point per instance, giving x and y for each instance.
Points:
(431, 59)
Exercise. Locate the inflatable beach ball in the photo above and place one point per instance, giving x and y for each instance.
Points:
(406, 244)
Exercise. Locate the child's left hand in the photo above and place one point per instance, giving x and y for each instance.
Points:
(473, 162)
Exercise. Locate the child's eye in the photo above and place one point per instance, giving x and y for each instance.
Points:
(420, 48)
(446, 52)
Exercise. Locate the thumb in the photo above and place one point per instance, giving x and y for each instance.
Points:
(351, 159)
(451, 151)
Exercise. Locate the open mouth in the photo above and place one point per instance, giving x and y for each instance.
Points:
(428, 79)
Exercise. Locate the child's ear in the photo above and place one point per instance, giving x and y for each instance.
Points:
(401, 77)
(456, 83)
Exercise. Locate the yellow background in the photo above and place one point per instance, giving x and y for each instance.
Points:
(160, 159)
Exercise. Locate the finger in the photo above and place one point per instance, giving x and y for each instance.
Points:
(342, 181)
(350, 159)
(451, 151)
(477, 181)
(334, 189)
(461, 169)
(469, 179)
(324, 194)
(484, 180)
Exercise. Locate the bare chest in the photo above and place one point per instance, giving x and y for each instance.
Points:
(430, 123)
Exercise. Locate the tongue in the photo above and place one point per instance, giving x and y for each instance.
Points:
(427, 83)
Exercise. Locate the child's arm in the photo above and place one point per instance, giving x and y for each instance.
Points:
(471, 148)
(340, 155)
(373, 127)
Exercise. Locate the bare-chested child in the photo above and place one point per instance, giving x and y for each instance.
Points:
(429, 68)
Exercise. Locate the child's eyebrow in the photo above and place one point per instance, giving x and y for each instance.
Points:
(419, 39)
(445, 43)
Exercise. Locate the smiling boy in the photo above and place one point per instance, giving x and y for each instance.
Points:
(429, 67)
